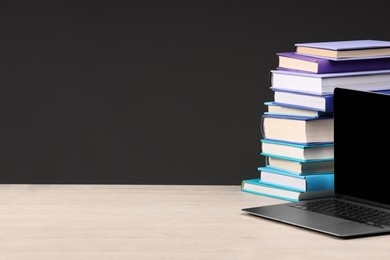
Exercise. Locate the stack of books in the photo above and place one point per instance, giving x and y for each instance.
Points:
(297, 129)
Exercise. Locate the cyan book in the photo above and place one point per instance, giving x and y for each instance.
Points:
(315, 182)
(298, 152)
(300, 168)
(258, 187)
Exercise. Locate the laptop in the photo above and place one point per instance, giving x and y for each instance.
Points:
(361, 203)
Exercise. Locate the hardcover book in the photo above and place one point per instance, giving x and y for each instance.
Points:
(295, 129)
(275, 108)
(315, 182)
(298, 62)
(299, 167)
(256, 186)
(298, 152)
(304, 100)
(323, 84)
(345, 49)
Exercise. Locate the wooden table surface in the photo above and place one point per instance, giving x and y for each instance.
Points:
(39, 222)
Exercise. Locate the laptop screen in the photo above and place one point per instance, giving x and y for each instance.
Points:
(362, 143)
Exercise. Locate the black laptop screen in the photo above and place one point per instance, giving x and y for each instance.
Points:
(362, 143)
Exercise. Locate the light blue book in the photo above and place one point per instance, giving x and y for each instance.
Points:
(258, 187)
(315, 182)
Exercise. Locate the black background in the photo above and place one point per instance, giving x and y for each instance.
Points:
(151, 92)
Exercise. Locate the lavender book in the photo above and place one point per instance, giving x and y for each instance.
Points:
(345, 49)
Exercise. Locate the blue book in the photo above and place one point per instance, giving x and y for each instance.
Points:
(303, 100)
(275, 108)
(304, 104)
(314, 182)
(258, 187)
(297, 129)
(313, 152)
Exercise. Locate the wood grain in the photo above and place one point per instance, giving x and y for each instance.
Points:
(157, 222)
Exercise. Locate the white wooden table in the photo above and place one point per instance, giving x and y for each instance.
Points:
(56, 222)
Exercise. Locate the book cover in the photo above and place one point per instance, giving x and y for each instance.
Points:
(303, 100)
(297, 129)
(258, 187)
(318, 65)
(297, 152)
(315, 182)
(323, 84)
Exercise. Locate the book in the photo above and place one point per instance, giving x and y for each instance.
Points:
(294, 129)
(294, 110)
(303, 100)
(345, 49)
(256, 186)
(322, 84)
(315, 182)
(299, 167)
(298, 152)
(295, 61)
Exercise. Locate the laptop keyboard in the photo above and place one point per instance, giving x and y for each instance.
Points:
(348, 211)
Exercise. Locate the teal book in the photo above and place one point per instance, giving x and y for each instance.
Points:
(297, 167)
(315, 182)
(258, 187)
(300, 168)
(297, 151)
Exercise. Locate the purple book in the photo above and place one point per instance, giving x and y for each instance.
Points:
(304, 63)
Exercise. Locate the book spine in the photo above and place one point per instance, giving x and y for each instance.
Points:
(330, 66)
(329, 103)
(319, 182)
